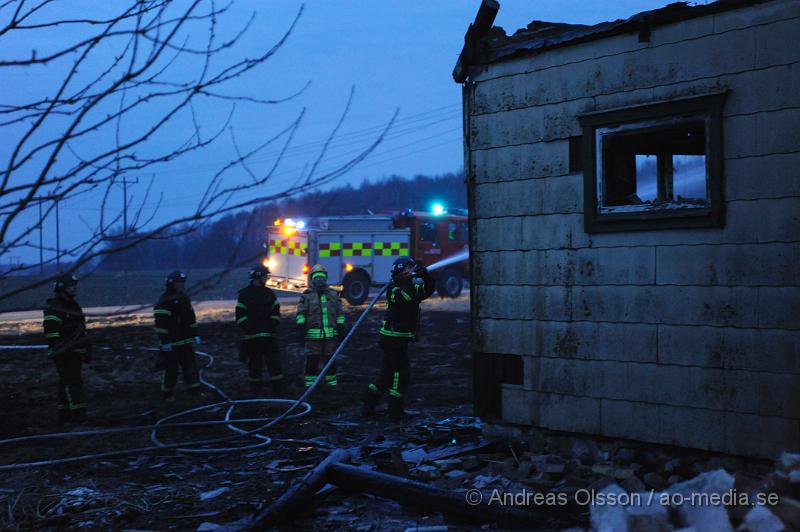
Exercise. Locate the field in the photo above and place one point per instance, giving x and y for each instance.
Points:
(166, 489)
(124, 288)
(438, 443)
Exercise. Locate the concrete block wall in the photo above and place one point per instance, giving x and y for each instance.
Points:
(688, 337)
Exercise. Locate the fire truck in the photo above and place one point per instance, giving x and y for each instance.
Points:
(359, 251)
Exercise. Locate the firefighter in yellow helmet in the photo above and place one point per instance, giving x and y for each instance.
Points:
(320, 318)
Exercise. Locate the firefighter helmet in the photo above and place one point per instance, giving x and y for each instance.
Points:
(318, 270)
(259, 272)
(176, 277)
(65, 280)
(402, 264)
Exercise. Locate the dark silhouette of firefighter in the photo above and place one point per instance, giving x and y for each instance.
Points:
(411, 283)
(176, 326)
(320, 320)
(258, 314)
(65, 329)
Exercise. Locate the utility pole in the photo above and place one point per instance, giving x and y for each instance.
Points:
(41, 241)
(58, 238)
(125, 182)
(55, 198)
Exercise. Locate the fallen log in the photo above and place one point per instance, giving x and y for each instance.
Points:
(287, 506)
(419, 495)
(453, 503)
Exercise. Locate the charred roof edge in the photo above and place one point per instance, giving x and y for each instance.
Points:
(478, 51)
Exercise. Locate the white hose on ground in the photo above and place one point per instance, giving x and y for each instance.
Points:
(10, 347)
(201, 446)
(197, 446)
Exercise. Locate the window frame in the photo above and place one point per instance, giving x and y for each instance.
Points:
(709, 105)
(435, 232)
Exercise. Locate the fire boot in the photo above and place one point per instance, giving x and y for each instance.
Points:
(371, 397)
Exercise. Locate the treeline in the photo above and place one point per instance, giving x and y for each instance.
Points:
(238, 238)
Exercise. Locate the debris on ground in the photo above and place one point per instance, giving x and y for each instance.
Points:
(439, 444)
(206, 495)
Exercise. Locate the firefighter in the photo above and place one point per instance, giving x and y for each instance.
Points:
(176, 326)
(258, 314)
(411, 283)
(320, 321)
(65, 329)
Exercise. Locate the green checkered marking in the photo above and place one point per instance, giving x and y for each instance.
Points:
(334, 249)
(390, 248)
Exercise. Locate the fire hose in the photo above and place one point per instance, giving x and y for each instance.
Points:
(198, 446)
(206, 446)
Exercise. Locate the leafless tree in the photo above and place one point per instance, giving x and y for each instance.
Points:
(86, 135)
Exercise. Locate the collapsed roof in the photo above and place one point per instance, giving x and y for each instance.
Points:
(485, 44)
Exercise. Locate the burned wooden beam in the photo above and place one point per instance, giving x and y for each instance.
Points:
(457, 504)
(452, 503)
(288, 505)
(484, 19)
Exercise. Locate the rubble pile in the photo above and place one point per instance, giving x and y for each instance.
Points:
(607, 484)
(754, 503)
(613, 485)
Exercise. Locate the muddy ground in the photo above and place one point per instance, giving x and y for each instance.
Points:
(439, 443)
(165, 490)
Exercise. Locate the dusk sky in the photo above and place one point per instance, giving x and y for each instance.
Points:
(397, 55)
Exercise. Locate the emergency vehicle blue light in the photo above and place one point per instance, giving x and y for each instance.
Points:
(438, 209)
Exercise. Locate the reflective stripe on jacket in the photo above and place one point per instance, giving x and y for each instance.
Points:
(64, 325)
(176, 323)
(402, 306)
(258, 312)
(320, 313)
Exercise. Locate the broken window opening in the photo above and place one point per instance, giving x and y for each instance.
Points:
(654, 166)
(660, 164)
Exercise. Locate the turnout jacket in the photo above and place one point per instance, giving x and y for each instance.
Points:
(176, 323)
(258, 312)
(320, 313)
(65, 325)
(402, 306)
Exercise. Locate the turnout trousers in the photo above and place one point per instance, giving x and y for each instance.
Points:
(181, 356)
(317, 354)
(393, 377)
(258, 351)
(71, 401)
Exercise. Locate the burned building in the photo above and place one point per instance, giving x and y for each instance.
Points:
(634, 193)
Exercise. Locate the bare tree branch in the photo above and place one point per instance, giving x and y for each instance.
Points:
(88, 133)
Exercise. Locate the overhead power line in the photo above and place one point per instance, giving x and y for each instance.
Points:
(287, 176)
(409, 124)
